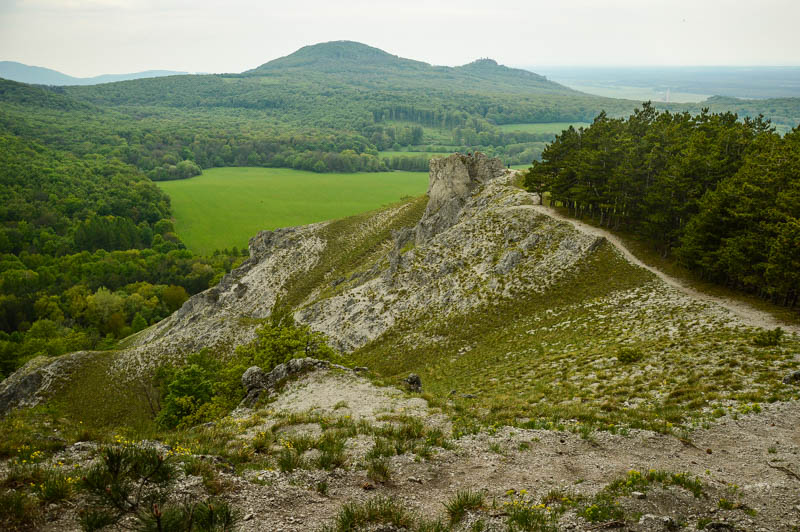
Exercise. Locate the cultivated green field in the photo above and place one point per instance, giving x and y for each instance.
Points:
(429, 154)
(549, 127)
(224, 207)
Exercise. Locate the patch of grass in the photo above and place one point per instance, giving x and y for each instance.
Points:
(263, 441)
(464, 501)
(212, 481)
(300, 442)
(122, 403)
(289, 460)
(376, 511)
(18, 510)
(331, 447)
(525, 514)
(604, 505)
(379, 470)
(225, 207)
(56, 486)
(23, 434)
(382, 447)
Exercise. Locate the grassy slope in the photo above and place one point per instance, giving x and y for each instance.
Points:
(554, 357)
(225, 207)
(645, 253)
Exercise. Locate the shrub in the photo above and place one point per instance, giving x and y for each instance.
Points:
(629, 355)
(206, 388)
(129, 479)
(768, 338)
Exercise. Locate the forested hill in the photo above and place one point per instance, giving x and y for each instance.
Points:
(330, 107)
(350, 85)
(359, 65)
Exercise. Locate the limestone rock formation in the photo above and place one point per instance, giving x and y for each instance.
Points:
(452, 180)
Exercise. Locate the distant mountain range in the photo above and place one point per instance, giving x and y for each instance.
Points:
(45, 76)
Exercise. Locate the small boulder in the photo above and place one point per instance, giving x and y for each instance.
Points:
(253, 378)
(414, 382)
(792, 378)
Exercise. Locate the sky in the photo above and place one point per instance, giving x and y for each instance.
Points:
(90, 37)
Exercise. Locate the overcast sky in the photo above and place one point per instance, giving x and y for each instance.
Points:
(91, 37)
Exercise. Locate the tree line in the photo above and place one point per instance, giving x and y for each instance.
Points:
(720, 194)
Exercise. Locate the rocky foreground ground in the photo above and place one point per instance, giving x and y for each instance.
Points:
(743, 467)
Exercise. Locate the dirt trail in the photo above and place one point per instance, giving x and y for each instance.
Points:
(746, 314)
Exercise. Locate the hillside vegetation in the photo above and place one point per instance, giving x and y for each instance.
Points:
(722, 195)
(522, 329)
(88, 253)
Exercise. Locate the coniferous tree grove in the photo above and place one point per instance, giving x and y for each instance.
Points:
(720, 194)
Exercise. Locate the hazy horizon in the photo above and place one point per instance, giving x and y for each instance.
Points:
(85, 38)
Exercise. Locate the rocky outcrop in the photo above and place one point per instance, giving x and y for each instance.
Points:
(256, 382)
(478, 241)
(34, 381)
(452, 181)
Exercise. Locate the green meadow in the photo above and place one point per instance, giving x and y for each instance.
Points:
(549, 127)
(225, 207)
(429, 154)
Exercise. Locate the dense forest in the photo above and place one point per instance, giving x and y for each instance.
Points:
(87, 253)
(721, 194)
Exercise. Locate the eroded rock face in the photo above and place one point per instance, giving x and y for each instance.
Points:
(452, 180)
(34, 381)
(478, 240)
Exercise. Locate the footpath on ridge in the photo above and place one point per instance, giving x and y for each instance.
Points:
(746, 314)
